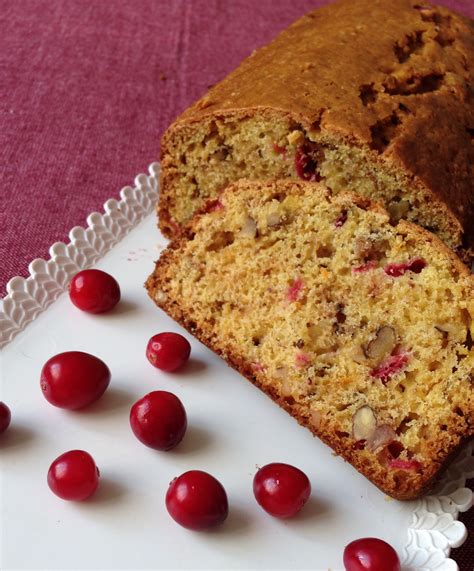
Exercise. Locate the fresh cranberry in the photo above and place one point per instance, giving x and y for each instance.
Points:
(5, 417)
(281, 489)
(370, 554)
(306, 161)
(196, 500)
(74, 379)
(94, 291)
(168, 351)
(159, 420)
(73, 475)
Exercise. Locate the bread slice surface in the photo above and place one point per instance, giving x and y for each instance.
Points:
(360, 329)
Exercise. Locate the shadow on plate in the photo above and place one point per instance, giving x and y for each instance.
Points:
(114, 399)
(109, 492)
(192, 367)
(238, 522)
(196, 440)
(16, 437)
(123, 307)
(315, 509)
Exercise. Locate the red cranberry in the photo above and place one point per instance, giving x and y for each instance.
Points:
(94, 291)
(213, 205)
(396, 270)
(410, 465)
(74, 379)
(281, 489)
(370, 554)
(168, 351)
(279, 150)
(294, 290)
(196, 500)
(5, 417)
(73, 475)
(159, 420)
(389, 367)
(306, 161)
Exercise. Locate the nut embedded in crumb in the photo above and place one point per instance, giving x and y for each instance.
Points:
(295, 137)
(249, 228)
(383, 344)
(364, 423)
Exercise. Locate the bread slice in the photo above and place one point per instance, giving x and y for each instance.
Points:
(375, 93)
(361, 330)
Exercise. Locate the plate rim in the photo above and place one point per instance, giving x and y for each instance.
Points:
(434, 529)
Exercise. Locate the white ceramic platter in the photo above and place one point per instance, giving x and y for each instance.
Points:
(232, 429)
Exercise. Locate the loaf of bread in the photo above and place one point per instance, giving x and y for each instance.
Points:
(361, 329)
(375, 93)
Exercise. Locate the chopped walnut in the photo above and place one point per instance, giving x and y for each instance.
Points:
(383, 343)
(249, 228)
(364, 423)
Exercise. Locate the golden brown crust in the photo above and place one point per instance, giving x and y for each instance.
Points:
(406, 98)
(410, 485)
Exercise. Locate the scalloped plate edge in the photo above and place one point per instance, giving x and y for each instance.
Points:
(28, 297)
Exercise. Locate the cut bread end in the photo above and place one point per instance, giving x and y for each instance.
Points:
(360, 328)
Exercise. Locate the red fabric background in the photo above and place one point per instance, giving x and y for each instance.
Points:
(89, 86)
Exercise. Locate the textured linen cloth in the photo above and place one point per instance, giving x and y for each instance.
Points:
(88, 86)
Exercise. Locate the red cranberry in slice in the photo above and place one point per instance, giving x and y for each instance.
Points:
(306, 161)
(213, 205)
(396, 270)
(410, 465)
(5, 417)
(74, 379)
(73, 475)
(281, 489)
(159, 420)
(168, 351)
(390, 366)
(370, 554)
(294, 290)
(279, 150)
(302, 359)
(197, 501)
(94, 291)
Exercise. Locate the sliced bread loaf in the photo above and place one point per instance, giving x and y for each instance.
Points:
(373, 93)
(360, 329)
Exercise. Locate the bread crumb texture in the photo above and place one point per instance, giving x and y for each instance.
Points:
(360, 328)
(384, 102)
